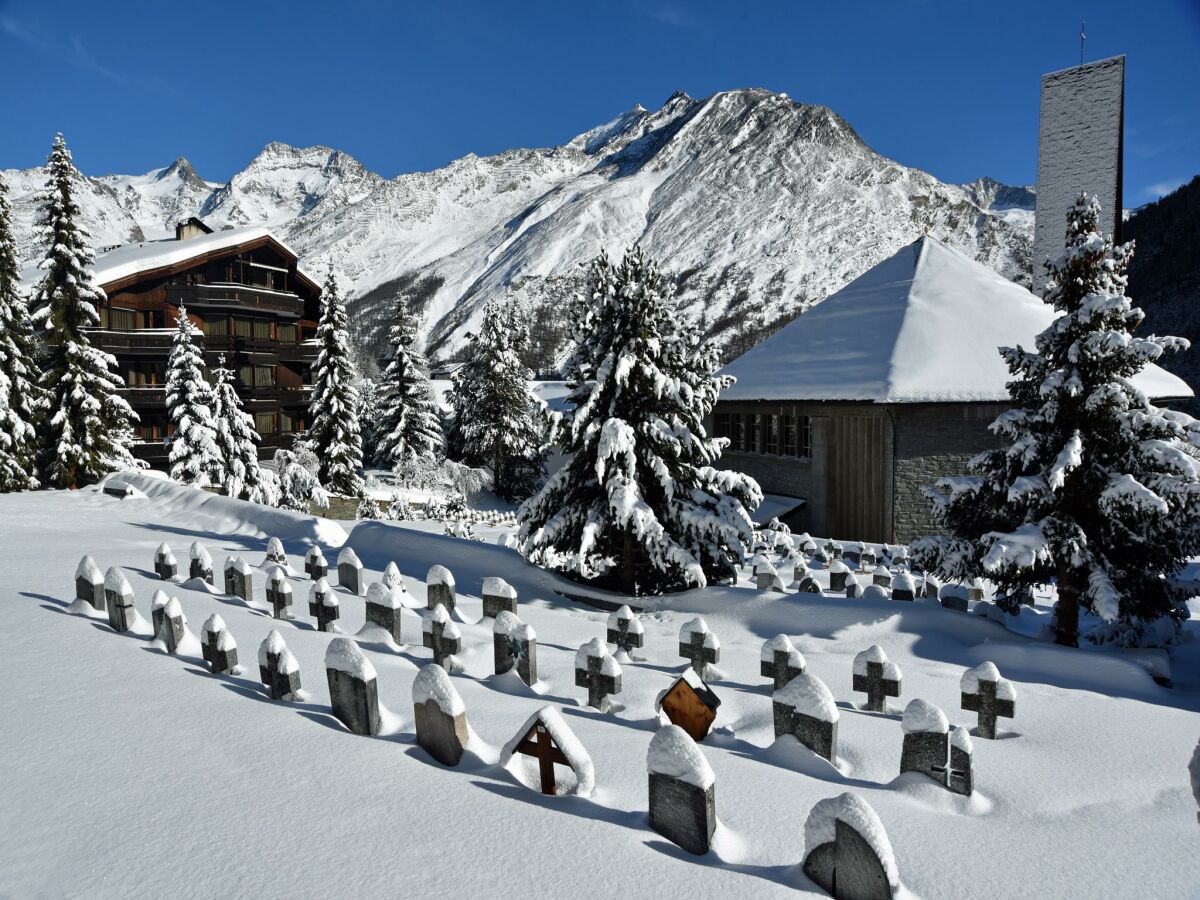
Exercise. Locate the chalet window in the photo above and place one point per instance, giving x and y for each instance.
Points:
(772, 434)
(739, 431)
(262, 329)
(287, 424)
(722, 427)
(756, 435)
(789, 435)
(121, 319)
(266, 423)
(257, 376)
(213, 327)
(151, 318)
(804, 449)
(287, 332)
(146, 375)
(243, 328)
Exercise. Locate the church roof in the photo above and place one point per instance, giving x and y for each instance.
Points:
(923, 326)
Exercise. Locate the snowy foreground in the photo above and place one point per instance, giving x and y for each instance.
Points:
(130, 773)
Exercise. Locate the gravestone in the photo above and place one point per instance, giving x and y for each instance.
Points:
(805, 709)
(275, 554)
(353, 692)
(218, 646)
(868, 558)
(546, 737)
(876, 592)
(682, 800)
(323, 605)
(441, 717)
(780, 661)
(854, 588)
(931, 748)
(847, 852)
(800, 574)
(882, 576)
(820, 559)
(165, 566)
(852, 556)
(624, 630)
(439, 588)
(277, 668)
(985, 692)
(959, 775)
(699, 646)
(393, 580)
(239, 581)
(809, 585)
(502, 656)
(279, 593)
(200, 564)
(903, 587)
(975, 590)
(158, 603)
(350, 571)
(689, 703)
(316, 566)
(808, 547)
(89, 583)
(597, 671)
(766, 577)
(932, 586)
(384, 610)
(834, 550)
(173, 627)
(440, 635)
(118, 597)
(877, 676)
(514, 643)
(498, 596)
(838, 573)
(954, 596)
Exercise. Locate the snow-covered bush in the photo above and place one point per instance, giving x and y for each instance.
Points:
(298, 486)
(368, 508)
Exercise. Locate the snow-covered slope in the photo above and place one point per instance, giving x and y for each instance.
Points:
(761, 205)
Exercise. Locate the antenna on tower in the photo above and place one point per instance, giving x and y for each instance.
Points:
(1082, 38)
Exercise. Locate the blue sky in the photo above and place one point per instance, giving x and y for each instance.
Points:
(950, 86)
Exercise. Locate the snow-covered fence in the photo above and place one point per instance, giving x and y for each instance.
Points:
(218, 646)
(598, 672)
(780, 661)
(985, 692)
(805, 709)
(683, 806)
(118, 596)
(498, 596)
(165, 566)
(323, 605)
(624, 630)
(847, 852)
(699, 646)
(277, 668)
(439, 588)
(89, 584)
(877, 676)
(350, 571)
(353, 692)
(441, 717)
(279, 593)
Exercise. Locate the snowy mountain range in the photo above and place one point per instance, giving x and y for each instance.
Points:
(760, 206)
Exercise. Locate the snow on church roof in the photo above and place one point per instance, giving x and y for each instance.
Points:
(924, 325)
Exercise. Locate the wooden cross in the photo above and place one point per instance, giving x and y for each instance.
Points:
(698, 655)
(443, 647)
(989, 708)
(622, 638)
(598, 685)
(538, 744)
(876, 686)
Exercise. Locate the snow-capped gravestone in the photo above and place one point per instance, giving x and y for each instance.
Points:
(350, 571)
(547, 738)
(975, 590)
(877, 676)
(854, 588)
(683, 806)
(903, 587)
(275, 553)
(165, 566)
(847, 852)
(832, 550)
(689, 703)
(441, 636)
(173, 628)
(780, 661)
(931, 749)
(868, 558)
(799, 574)
(985, 692)
(838, 572)
(597, 671)
(955, 596)
(218, 646)
(316, 566)
(384, 609)
(200, 564)
(439, 588)
(882, 576)
(158, 603)
(805, 709)
(514, 643)
(239, 580)
(118, 597)
(699, 646)
(89, 583)
(441, 717)
(876, 592)
(498, 596)
(353, 693)
(279, 593)
(809, 585)
(766, 577)
(624, 630)
(323, 605)
(932, 586)
(277, 667)
(393, 580)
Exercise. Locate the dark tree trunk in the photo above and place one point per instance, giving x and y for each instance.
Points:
(1066, 623)
(628, 565)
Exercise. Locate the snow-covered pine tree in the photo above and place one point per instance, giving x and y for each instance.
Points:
(237, 441)
(368, 417)
(1097, 489)
(335, 437)
(18, 390)
(495, 421)
(638, 503)
(85, 427)
(410, 424)
(298, 485)
(194, 456)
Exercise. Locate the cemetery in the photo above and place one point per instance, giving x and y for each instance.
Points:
(890, 724)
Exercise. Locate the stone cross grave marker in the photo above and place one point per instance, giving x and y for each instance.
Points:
(441, 717)
(277, 668)
(440, 635)
(279, 593)
(316, 566)
(165, 566)
(766, 577)
(624, 630)
(353, 691)
(393, 580)
(699, 646)
(200, 564)
(323, 605)
(682, 800)
(118, 597)
(498, 596)
(780, 660)
(597, 671)
(89, 584)
(350, 571)
(439, 588)
(173, 627)
(158, 602)
(877, 676)
(239, 581)
(933, 750)
(275, 554)
(218, 646)
(847, 852)
(985, 692)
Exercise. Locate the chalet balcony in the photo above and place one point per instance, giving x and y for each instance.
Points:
(150, 397)
(295, 396)
(156, 341)
(241, 296)
(303, 351)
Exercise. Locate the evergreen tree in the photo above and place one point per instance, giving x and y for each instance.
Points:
(368, 417)
(18, 391)
(1098, 489)
(638, 502)
(194, 456)
(237, 441)
(85, 427)
(334, 436)
(298, 484)
(495, 421)
(410, 424)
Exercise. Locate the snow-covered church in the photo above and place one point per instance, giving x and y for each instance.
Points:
(881, 389)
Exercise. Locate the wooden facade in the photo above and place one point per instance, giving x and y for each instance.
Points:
(254, 307)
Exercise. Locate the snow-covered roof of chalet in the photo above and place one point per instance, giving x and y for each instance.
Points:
(923, 326)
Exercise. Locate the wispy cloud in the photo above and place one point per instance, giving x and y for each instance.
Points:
(1160, 188)
(674, 16)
